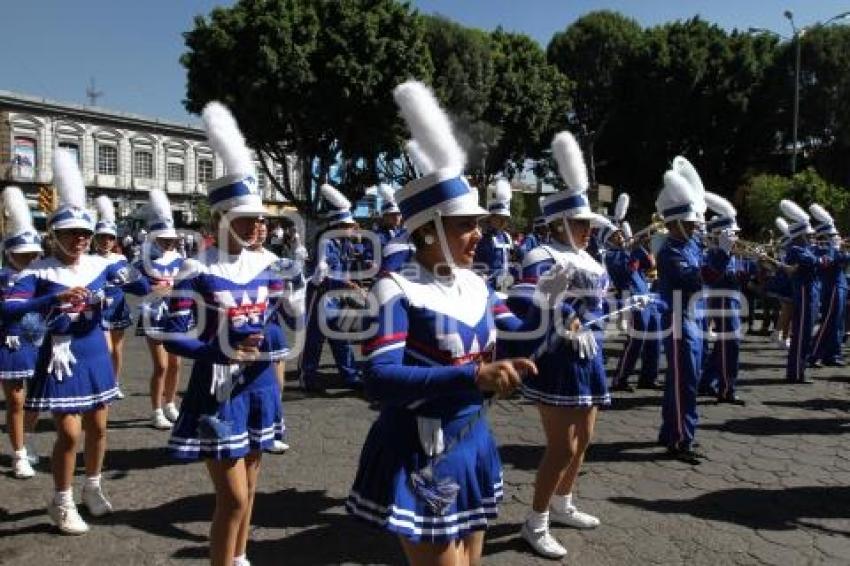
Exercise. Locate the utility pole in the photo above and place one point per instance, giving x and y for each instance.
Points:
(92, 93)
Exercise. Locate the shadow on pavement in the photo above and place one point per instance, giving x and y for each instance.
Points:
(773, 509)
(814, 404)
(527, 457)
(625, 403)
(769, 426)
(329, 535)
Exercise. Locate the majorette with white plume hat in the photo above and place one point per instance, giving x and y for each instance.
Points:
(627, 269)
(681, 204)
(19, 235)
(805, 270)
(723, 272)
(435, 335)
(829, 339)
(493, 254)
(74, 373)
(116, 311)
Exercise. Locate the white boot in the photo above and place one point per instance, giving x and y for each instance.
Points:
(159, 421)
(63, 512)
(535, 531)
(21, 466)
(95, 500)
(170, 411)
(563, 511)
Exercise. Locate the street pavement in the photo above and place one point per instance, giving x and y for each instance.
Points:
(775, 490)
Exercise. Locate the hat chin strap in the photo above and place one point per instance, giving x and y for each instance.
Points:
(572, 243)
(444, 243)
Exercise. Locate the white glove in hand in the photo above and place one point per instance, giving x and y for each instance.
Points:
(584, 342)
(62, 359)
(301, 254)
(642, 301)
(321, 272)
(726, 242)
(13, 342)
(221, 384)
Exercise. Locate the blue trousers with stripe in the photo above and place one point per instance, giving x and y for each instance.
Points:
(642, 342)
(721, 370)
(683, 348)
(315, 338)
(827, 345)
(802, 323)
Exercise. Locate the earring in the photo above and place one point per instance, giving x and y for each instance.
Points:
(428, 239)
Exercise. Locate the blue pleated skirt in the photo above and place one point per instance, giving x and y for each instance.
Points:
(19, 363)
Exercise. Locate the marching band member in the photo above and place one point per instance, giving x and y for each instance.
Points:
(493, 255)
(231, 411)
(116, 312)
(19, 337)
(159, 264)
(538, 236)
(571, 383)
(430, 471)
(681, 204)
(806, 267)
(73, 373)
(333, 272)
(778, 286)
(827, 344)
(722, 272)
(390, 225)
(626, 268)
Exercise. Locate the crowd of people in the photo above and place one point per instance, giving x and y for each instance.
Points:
(450, 311)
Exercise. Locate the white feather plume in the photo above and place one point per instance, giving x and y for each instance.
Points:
(386, 192)
(627, 229)
(622, 207)
(820, 214)
(68, 180)
(782, 226)
(500, 192)
(159, 206)
(226, 139)
(540, 204)
(793, 211)
(429, 125)
(686, 169)
(677, 188)
(720, 205)
(18, 218)
(420, 160)
(105, 209)
(334, 197)
(570, 161)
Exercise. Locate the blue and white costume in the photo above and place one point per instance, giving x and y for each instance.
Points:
(228, 295)
(828, 340)
(156, 266)
(116, 312)
(230, 408)
(494, 250)
(92, 381)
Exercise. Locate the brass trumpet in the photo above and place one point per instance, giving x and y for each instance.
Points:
(655, 226)
(756, 251)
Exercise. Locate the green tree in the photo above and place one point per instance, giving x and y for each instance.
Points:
(312, 79)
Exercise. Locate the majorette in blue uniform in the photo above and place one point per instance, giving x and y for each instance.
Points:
(626, 268)
(828, 339)
(539, 235)
(680, 285)
(722, 273)
(157, 265)
(21, 337)
(329, 290)
(430, 470)
(493, 254)
(73, 372)
(807, 267)
(116, 312)
(396, 247)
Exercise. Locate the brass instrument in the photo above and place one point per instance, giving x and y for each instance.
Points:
(655, 226)
(762, 253)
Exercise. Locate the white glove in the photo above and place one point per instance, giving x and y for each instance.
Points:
(504, 282)
(554, 282)
(221, 384)
(62, 359)
(13, 342)
(583, 342)
(726, 241)
(641, 301)
(321, 272)
(301, 254)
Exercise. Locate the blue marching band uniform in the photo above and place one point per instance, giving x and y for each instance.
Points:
(494, 252)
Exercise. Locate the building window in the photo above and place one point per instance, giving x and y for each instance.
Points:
(73, 149)
(107, 159)
(143, 164)
(176, 171)
(205, 170)
(24, 157)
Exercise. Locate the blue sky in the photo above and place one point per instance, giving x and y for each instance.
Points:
(53, 47)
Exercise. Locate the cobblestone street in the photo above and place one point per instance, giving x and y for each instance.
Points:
(775, 490)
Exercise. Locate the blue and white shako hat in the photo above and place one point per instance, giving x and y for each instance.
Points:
(799, 224)
(784, 229)
(683, 194)
(20, 236)
(441, 190)
(499, 198)
(571, 203)
(238, 191)
(337, 207)
(388, 203)
(725, 218)
(71, 212)
(825, 223)
(160, 219)
(621, 208)
(105, 217)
